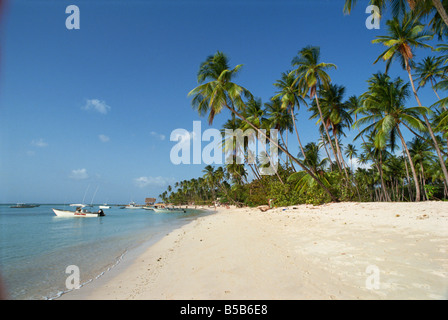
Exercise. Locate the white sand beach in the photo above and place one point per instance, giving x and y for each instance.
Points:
(334, 251)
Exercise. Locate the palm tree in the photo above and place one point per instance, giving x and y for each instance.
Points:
(443, 84)
(354, 104)
(443, 48)
(335, 115)
(237, 172)
(419, 7)
(220, 175)
(210, 180)
(351, 152)
(403, 36)
(384, 103)
(254, 114)
(313, 159)
(430, 69)
(302, 181)
(373, 152)
(230, 145)
(310, 76)
(278, 118)
(421, 154)
(291, 97)
(435, 9)
(221, 93)
(211, 97)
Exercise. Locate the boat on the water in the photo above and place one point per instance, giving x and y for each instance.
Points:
(78, 213)
(25, 205)
(132, 205)
(104, 206)
(169, 210)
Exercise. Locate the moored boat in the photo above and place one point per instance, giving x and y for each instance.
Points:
(24, 205)
(78, 213)
(132, 205)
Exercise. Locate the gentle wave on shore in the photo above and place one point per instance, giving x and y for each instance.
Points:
(36, 247)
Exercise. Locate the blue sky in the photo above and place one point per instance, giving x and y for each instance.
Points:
(94, 108)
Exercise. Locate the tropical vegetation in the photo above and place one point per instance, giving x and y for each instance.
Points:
(400, 149)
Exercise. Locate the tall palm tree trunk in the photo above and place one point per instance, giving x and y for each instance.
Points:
(270, 161)
(435, 91)
(328, 134)
(383, 185)
(431, 133)
(409, 178)
(297, 133)
(441, 10)
(338, 149)
(325, 148)
(445, 190)
(414, 174)
(424, 181)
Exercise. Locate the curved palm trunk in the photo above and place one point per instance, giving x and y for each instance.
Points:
(414, 174)
(335, 133)
(270, 161)
(409, 179)
(287, 160)
(297, 133)
(325, 148)
(423, 180)
(328, 134)
(431, 133)
(334, 198)
(383, 185)
(435, 91)
(441, 10)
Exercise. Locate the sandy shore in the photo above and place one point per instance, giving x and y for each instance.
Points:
(334, 251)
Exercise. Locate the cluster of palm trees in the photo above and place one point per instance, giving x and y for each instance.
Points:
(203, 190)
(380, 116)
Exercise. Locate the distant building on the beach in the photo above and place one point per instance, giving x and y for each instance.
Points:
(150, 201)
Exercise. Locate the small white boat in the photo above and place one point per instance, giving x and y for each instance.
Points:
(104, 206)
(132, 205)
(78, 213)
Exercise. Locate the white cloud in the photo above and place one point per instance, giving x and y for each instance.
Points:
(142, 182)
(97, 105)
(104, 138)
(356, 164)
(79, 174)
(157, 135)
(39, 143)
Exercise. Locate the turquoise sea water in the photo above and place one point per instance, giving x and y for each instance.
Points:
(36, 247)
